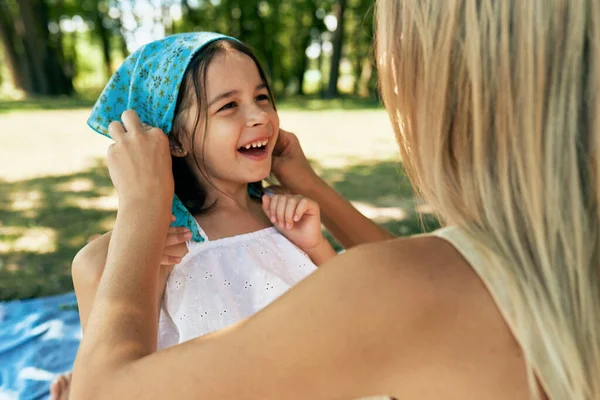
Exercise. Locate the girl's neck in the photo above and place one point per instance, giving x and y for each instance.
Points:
(233, 197)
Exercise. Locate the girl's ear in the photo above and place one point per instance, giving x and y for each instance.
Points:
(175, 146)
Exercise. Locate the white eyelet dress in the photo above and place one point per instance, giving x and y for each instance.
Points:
(219, 282)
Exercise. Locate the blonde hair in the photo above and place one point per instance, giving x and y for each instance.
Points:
(496, 108)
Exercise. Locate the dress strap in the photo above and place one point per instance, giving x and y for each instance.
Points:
(490, 278)
(192, 243)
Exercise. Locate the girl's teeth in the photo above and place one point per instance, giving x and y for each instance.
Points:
(256, 144)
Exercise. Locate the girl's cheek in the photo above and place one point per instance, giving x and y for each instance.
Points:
(275, 119)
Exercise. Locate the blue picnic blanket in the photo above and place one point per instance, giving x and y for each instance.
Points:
(38, 341)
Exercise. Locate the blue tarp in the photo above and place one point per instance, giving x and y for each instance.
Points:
(38, 341)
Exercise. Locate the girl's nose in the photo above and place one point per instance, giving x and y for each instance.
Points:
(257, 116)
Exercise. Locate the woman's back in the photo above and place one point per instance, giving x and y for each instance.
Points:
(442, 333)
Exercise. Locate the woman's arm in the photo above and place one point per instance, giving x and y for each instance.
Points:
(339, 216)
(339, 334)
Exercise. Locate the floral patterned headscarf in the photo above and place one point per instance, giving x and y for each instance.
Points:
(148, 82)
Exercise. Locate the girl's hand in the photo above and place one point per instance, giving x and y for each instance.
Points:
(175, 247)
(297, 218)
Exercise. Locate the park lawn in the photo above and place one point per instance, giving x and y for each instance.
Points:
(55, 191)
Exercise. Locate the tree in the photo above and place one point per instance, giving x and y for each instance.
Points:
(338, 42)
(32, 53)
(100, 21)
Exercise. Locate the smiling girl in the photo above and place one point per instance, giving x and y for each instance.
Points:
(235, 248)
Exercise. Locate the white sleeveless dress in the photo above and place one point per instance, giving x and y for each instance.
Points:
(219, 282)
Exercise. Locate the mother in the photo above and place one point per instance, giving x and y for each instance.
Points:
(494, 105)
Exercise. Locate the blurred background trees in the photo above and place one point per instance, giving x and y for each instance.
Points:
(309, 47)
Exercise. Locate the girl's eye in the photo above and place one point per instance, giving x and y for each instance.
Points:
(227, 106)
(262, 97)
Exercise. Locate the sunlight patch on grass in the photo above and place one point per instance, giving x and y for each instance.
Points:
(380, 214)
(108, 203)
(33, 240)
(22, 201)
(76, 186)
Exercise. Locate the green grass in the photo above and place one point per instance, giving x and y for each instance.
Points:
(37, 103)
(88, 98)
(55, 191)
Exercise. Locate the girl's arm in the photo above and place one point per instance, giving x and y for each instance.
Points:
(88, 266)
(339, 216)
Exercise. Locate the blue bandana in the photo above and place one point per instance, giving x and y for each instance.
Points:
(148, 82)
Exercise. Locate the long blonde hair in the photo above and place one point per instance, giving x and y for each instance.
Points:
(496, 107)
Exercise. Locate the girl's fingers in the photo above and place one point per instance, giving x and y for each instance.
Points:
(177, 251)
(290, 211)
(169, 260)
(273, 208)
(177, 235)
(301, 209)
(281, 205)
(266, 202)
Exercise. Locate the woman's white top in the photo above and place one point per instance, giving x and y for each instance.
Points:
(219, 282)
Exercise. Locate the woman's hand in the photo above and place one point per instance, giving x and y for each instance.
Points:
(290, 165)
(298, 218)
(139, 162)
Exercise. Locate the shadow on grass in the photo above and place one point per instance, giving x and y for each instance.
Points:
(66, 210)
(382, 191)
(43, 225)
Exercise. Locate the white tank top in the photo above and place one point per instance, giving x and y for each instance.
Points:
(219, 282)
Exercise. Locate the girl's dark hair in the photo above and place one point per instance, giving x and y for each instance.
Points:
(187, 188)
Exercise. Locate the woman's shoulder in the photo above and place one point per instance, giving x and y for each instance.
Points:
(427, 296)
(423, 259)
(425, 273)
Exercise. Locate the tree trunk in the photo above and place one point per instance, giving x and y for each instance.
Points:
(34, 58)
(104, 36)
(338, 42)
(13, 51)
(34, 36)
(301, 57)
(122, 41)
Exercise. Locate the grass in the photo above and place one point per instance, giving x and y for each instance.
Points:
(32, 104)
(55, 191)
(86, 99)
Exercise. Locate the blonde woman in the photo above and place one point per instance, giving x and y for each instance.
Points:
(494, 105)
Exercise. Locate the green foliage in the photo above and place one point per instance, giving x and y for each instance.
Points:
(95, 35)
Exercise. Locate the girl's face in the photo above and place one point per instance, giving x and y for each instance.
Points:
(242, 123)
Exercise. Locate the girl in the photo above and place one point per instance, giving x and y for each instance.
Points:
(210, 95)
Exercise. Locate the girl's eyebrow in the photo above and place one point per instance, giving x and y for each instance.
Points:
(233, 92)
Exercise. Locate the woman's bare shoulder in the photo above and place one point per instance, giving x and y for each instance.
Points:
(435, 303)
